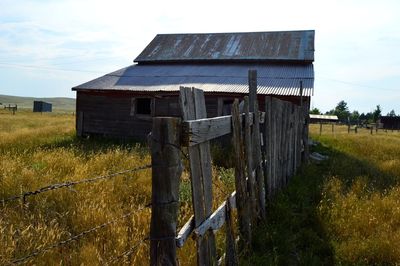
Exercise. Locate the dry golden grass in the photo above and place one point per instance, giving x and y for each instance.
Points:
(37, 150)
(360, 208)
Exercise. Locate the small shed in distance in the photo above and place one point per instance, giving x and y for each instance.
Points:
(40, 106)
(323, 119)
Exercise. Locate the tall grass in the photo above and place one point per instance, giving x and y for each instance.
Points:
(343, 211)
(361, 197)
(37, 150)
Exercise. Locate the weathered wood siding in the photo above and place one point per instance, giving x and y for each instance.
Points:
(110, 113)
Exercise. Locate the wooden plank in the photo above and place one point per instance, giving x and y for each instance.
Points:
(242, 201)
(210, 223)
(217, 219)
(251, 183)
(185, 232)
(166, 173)
(291, 141)
(230, 243)
(306, 117)
(199, 131)
(259, 175)
(268, 146)
(202, 130)
(193, 108)
(287, 141)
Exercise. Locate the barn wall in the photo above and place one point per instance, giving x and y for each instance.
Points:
(110, 113)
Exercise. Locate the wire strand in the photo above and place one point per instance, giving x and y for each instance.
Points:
(74, 238)
(70, 183)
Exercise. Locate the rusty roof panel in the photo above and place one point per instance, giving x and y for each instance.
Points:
(272, 79)
(233, 47)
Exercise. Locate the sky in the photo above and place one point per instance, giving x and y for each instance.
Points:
(49, 46)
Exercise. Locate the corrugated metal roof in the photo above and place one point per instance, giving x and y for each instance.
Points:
(272, 79)
(324, 117)
(248, 46)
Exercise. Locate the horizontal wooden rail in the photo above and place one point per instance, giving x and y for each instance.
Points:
(214, 222)
(217, 219)
(185, 232)
(205, 129)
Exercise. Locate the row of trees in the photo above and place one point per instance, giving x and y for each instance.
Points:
(342, 112)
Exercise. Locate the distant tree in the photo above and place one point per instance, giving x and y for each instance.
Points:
(369, 117)
(355, 116)
(331, 112)
(391, 113)
(315, 111)
(377, 113)
(342, 111)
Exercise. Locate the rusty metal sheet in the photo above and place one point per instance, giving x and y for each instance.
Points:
(244, 46)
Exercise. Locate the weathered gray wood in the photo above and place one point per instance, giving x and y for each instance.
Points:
(202, 130)
(242, 201)
(259, 176)
(268, 146)
(217, 219)
(230, 243)
(185, 232)
(291, 143)
(166, 173)
(199, 131)
(306, 119)
(251, 187)
(193, 108)
(299, 135)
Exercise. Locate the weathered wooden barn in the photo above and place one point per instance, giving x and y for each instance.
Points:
(122, 103)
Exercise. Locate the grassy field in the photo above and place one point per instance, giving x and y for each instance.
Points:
(343, 211)
(38, 150)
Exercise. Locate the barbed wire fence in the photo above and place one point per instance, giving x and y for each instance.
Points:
(77, 237)
(23, 195)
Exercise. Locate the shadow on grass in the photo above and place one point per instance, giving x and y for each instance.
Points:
(293, 233)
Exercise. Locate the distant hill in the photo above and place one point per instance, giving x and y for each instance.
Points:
(59, 103)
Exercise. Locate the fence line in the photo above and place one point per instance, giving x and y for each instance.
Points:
(70, 183)
(266, 157)
(127, 252)
(75, 237)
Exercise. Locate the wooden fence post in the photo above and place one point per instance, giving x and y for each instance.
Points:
(256, 144)
(166, 173)
(242, 200)
(251, 183)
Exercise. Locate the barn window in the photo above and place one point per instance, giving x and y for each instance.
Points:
(226, 107)
(143, 106)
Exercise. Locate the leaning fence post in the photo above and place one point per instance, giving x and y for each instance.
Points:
(166, 173)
